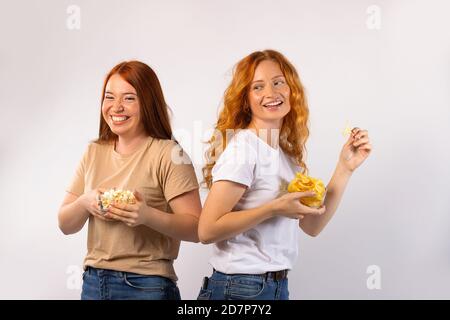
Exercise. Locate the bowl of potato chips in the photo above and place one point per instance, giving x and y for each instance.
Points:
(303, 183)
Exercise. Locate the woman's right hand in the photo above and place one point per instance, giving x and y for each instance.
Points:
(90, 203)
(289, 205)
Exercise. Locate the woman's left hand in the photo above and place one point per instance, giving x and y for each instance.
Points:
(130, 214)
(356, 149)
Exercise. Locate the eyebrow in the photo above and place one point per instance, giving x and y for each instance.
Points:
(122, 93)
(280, 76)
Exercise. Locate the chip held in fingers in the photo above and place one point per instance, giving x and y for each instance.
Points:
(304, 183)
(347, 130)
(116, 195)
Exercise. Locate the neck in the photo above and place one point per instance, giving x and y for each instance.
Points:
(127, 145)
(268, 131)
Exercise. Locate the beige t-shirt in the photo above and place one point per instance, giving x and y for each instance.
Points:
(151, 171)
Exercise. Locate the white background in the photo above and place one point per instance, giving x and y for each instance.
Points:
(393, 81)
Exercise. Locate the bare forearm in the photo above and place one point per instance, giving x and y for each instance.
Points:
(313, 225)
(72, 217)
(234, 223)
(177, 226)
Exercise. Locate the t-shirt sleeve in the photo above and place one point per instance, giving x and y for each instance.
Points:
(236, 163)
(177, 174)
(77, 184)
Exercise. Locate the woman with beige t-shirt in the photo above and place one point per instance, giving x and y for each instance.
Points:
(131, 247)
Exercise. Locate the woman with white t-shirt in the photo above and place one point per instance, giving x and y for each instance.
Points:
(258, 146)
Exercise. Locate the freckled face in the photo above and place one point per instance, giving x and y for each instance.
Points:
(269, 93)
(121, 108)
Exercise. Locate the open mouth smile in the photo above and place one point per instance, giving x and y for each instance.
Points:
(273, 104)
(119, 119)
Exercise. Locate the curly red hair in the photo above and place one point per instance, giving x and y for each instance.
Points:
(234, 115)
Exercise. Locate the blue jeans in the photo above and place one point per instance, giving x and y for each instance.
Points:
(221, 286)
(102, 284)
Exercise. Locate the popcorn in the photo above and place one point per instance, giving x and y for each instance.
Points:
(113, 195)
(302, 183)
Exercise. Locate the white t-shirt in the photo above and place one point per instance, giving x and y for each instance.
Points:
(273, 244)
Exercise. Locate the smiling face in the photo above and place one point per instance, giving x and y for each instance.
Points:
(121, 109)
(269, 95)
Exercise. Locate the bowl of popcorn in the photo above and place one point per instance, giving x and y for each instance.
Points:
(107, 198)
(303, 183)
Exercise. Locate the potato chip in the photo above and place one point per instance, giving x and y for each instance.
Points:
(348, 130)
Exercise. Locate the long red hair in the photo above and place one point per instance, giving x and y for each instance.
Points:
(235, 115)
(153, 107)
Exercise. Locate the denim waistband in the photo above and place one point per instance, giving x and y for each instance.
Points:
(104, 272)
(274, 275)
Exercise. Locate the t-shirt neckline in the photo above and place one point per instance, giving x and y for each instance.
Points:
(253, 133)
(126, 156)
